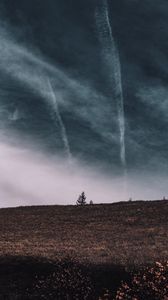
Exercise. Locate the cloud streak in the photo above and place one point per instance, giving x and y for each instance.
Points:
(32, 70)
(112, 61)
(55, 109)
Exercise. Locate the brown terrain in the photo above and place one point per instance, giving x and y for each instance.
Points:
(130, 233)
(107, 239)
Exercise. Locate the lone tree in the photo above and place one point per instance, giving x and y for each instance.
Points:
(81, 199)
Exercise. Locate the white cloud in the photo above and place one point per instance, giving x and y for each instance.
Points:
(29, 178)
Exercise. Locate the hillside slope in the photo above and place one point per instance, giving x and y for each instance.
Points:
(127, 234)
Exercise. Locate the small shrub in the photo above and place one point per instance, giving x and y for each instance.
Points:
(149, 284)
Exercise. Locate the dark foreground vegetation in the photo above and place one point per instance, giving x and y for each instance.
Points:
(106, 252)
(24, 278)
(30, 278)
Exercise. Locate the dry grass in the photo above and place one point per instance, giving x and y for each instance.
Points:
(127, 234)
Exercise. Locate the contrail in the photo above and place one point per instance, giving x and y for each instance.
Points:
(54, 104)
(112, 59)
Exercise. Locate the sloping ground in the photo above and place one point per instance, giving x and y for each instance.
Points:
(125, 234)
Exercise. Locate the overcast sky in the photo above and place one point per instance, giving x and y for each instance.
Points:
(86, 81)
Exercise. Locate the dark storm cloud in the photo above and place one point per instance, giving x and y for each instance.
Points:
(58, 39)
(79, 101)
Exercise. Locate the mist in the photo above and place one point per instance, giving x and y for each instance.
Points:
(28, 177)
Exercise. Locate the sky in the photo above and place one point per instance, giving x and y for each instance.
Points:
(83, 100)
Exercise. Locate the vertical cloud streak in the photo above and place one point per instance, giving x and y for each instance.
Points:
(111, 57)
(55, 108)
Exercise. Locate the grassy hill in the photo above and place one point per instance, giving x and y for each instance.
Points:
(130, 233)
(102, 241)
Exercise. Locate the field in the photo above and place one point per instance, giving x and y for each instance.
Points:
(102, 239)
